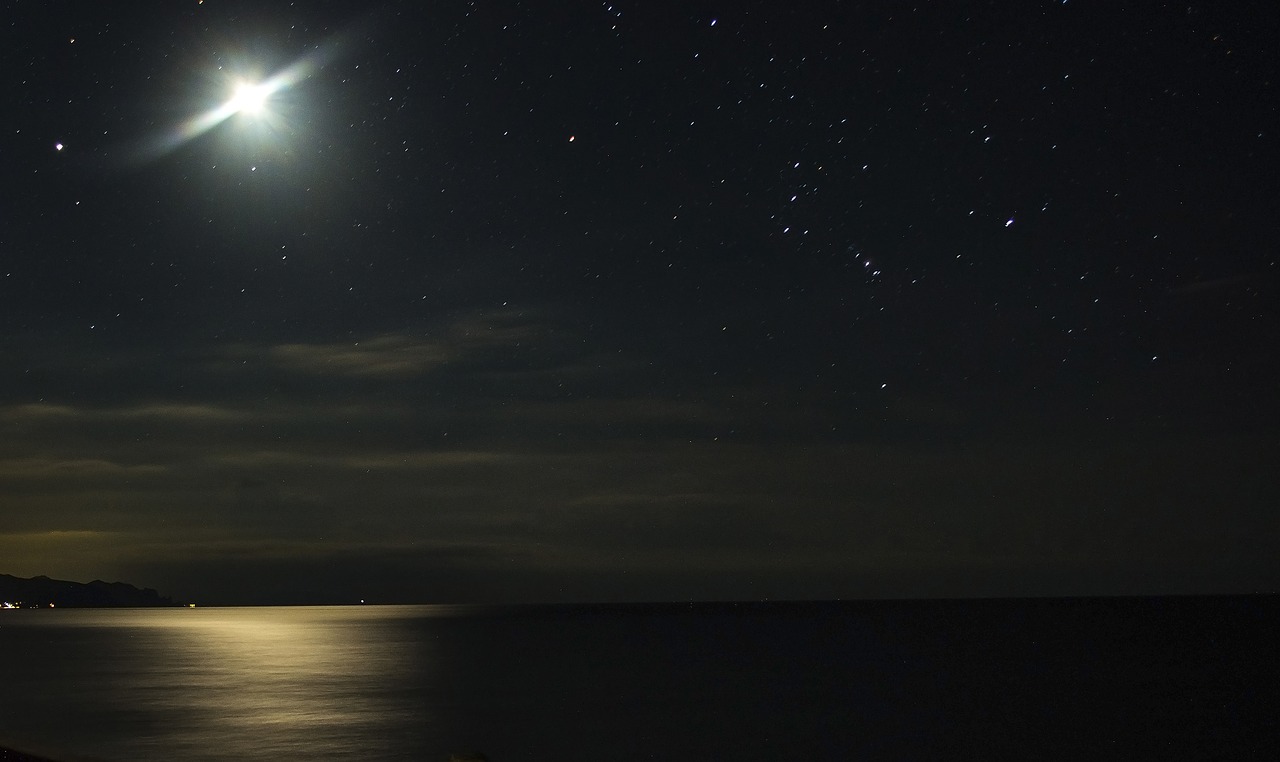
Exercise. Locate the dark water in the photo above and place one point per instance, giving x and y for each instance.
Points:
(1066, 679)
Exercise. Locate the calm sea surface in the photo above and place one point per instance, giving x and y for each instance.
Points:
(1073, 679)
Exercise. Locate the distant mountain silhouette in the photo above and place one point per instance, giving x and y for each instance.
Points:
(42, 591)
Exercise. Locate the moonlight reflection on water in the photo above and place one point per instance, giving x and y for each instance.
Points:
(243, 683)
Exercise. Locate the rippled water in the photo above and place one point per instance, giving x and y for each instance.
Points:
(248, 683)
(811, 681)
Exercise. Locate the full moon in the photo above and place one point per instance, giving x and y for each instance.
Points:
(253, 99)
(249, 98)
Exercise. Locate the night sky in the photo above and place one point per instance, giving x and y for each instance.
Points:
(592, 301)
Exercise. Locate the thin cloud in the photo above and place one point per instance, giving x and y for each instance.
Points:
(78, 468)
(161, 411)
(394, 461)
(390, 356)
(37, 412)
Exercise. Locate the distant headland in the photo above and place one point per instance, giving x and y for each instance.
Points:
(42, 592)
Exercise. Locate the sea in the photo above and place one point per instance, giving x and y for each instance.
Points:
(1086, 678)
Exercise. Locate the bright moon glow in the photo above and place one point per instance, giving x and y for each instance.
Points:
(254, 100)
(249, 98)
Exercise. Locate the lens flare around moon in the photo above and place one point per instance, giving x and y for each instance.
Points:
(258, 103)
(246, 97)
(249, 98)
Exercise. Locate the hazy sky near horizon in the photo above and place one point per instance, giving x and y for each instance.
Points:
(612, 301)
